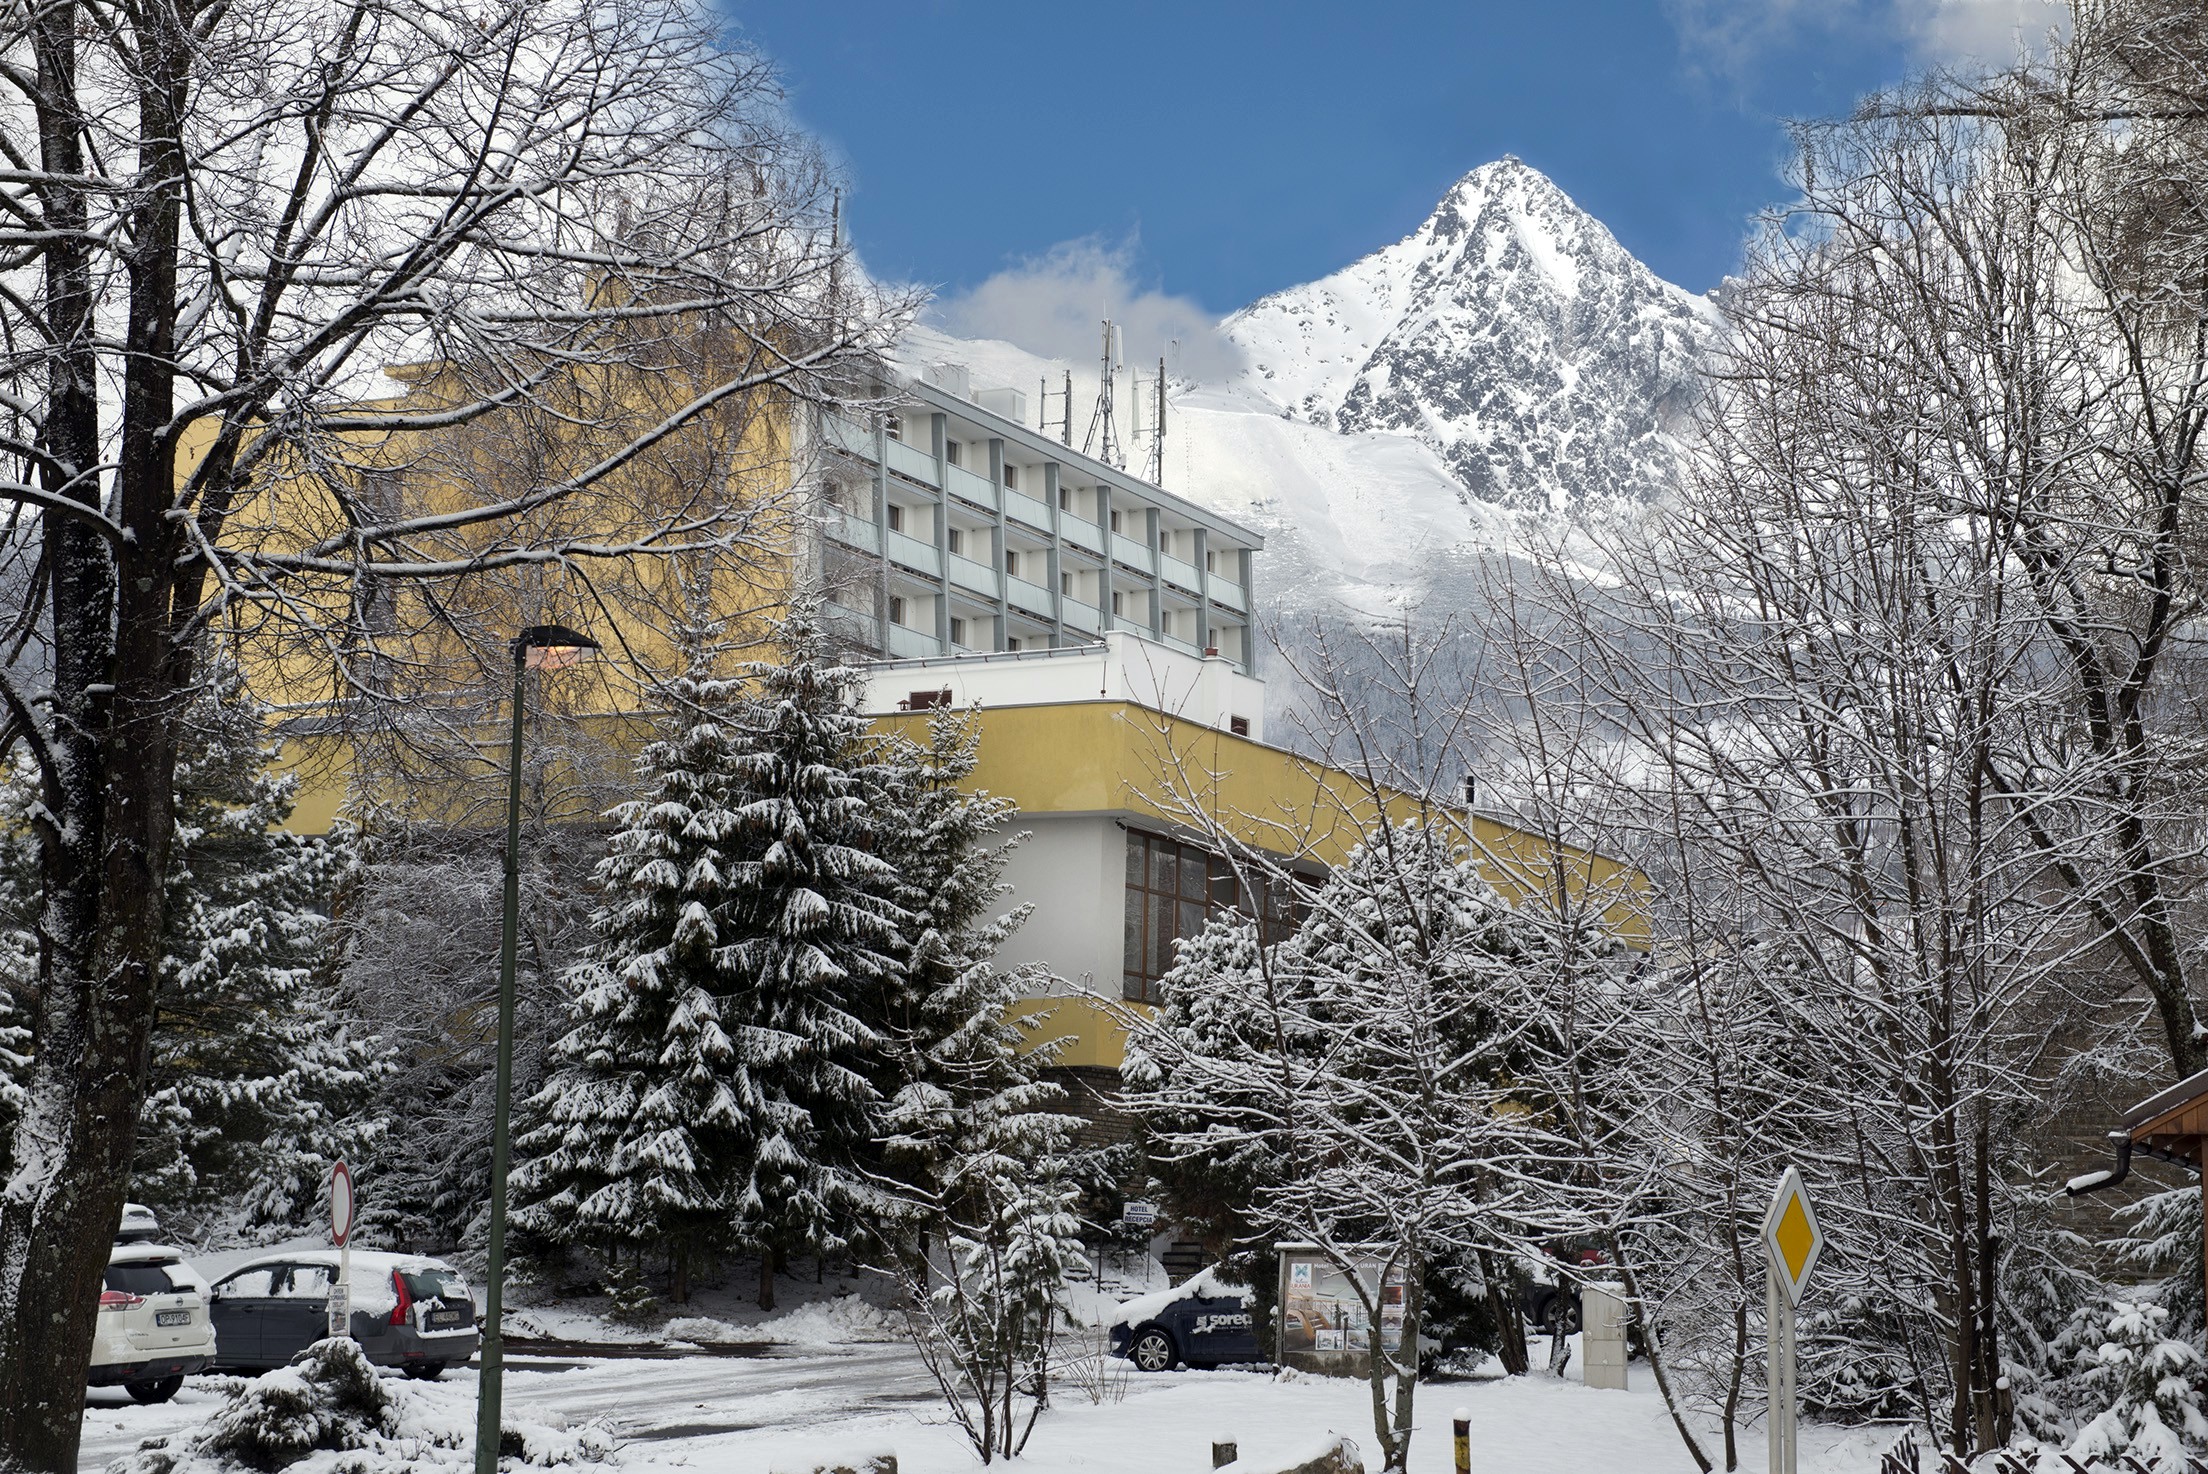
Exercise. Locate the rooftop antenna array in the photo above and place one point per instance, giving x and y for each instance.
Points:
(1103, 441)
(1150, 420)
(1064, 397)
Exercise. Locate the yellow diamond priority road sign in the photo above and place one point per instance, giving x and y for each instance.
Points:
(1791, 1236)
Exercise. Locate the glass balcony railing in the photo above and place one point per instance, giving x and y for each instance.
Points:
(1126, 550)
(1023, 595)
(979, 577)
(1028, 510)
(1083, 617)
(960, 482)
(1177, 573)
(915, 464)
(914, 554)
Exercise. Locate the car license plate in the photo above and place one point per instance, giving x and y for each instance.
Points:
(446, 1317)
(172, 1317)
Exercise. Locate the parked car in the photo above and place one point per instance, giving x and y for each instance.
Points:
(154, 1329)
(1204, 1322)
(138, 1226)
(408, 1310)
(1553, 1309)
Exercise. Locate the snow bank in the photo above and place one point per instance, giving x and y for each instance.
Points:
(330, 1411)
(1146, 1307)
(1331, 1453)
(838, 1322)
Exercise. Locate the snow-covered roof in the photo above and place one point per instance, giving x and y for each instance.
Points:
(144, 1254)
(373, 1261)
(1204, 1283)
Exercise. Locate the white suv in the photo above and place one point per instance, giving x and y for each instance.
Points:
(154, 1330)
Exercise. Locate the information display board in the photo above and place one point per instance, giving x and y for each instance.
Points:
(1324, 1326)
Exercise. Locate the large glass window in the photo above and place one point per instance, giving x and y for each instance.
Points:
(1171, 888)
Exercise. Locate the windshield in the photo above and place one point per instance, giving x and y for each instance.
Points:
(434, 1284)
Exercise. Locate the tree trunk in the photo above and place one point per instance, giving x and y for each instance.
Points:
(1510, 1327)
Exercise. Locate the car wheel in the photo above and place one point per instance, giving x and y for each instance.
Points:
(1560, 1317)
(153, 1389)
(1152, 1351)
(425, 1371)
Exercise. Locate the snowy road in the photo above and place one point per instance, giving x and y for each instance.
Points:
(658, 1404)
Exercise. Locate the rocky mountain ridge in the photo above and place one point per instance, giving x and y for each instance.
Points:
(1511, 333)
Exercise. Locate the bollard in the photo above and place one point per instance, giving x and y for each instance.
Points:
(1463, 1423)
(1223, 1452)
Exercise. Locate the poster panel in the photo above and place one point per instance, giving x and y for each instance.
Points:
(1324, 1326)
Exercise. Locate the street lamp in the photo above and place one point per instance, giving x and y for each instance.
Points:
(539, 647)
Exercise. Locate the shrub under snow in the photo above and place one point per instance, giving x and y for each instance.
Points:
(331, 1413)
(2152, 1385)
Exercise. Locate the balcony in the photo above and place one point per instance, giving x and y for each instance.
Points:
(1228, 595)
(1126, 550)
(907, 462)
(908, 644)
(977, 577)
(912, 553)
(847, 435)
(979, 490)
(1175, 572)
(858, 532)
(1079, 616)
(1081, 534)
(1027, 510)
(1023, 595)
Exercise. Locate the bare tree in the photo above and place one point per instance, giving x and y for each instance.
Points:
(219, 223)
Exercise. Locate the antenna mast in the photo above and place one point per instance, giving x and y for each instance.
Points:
(1157, 431)
(1103, 441)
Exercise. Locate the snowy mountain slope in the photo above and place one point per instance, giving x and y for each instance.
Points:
(1510, 333)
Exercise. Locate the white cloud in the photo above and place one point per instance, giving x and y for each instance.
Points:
(1055, 303)
(1729, 38)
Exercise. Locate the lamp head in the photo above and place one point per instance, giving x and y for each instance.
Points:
(552, 647)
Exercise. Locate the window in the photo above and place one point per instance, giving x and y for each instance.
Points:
(951, 451)
(958, 631)
(1011, 642)
(1211, 561)
(250, 1284)
(307, 1282)
(1065, 498)
(1115, 521)
(896, 609)
(137, 1279)
(1012, 562)
(1211, 641)
(1239, 726)
(1065, 584)
(1011, 475)
(928, 700)
(1119, 602)
(896, 518)
(955, 539)
(1171, 888)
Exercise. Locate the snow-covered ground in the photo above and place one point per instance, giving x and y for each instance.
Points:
(797, 1408)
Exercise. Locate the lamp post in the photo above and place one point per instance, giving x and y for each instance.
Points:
(539, 647)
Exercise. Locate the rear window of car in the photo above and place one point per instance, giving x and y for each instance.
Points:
(138, 1279)
(432, 1284)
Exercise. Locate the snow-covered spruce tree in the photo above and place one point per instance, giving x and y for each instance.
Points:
(646, 1120)
(812, 935)
(259, 1080)
(2148, 1385)
(1383, 1049)
(939, 1010)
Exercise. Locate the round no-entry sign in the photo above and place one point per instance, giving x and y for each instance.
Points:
(341, 1204)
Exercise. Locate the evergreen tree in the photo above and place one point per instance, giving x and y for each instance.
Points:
(941, 1009)
(646, 1120)
(814, 935)
(258, 1082)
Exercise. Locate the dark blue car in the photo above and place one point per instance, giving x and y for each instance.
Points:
(1203, 1323)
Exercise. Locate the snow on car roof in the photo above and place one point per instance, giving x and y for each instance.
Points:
(144, 1254)
(374, 1261)
(1205, 1282)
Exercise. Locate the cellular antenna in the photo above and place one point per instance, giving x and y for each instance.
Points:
(1103, 440)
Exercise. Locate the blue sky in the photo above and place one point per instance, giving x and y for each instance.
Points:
(1214, 150)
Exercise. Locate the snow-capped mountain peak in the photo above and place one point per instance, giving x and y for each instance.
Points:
(1510, 332)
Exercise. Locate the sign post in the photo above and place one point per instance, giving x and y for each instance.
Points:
(1792, 1243)
(341, 1233)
